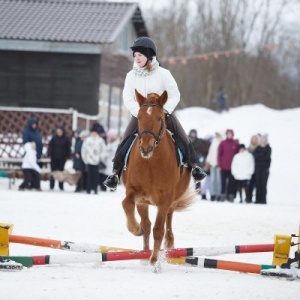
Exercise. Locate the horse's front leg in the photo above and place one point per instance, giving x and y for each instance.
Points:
(143, 211)
(129, 205)
(158, 232)
(169, 236)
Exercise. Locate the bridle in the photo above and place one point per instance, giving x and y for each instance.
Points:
(161, 130)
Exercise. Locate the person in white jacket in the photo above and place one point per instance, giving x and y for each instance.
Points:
(148, 77)
(212, 161)
(92, 152)
(242, 168)
(30, 168)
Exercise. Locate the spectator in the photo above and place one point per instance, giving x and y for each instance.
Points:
(101, 130)
(201, 147)
(78, 163)
(59, 150)
(32, 134)
(242, 168)
(226, 151)
(112, 145)
(30, 168)
(75, 137)
(222, 100)
(262, 158)
(92, 152)
(212, 162)
(206, 184)
(254, 142)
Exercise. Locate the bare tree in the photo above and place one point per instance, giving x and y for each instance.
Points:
(229, 43)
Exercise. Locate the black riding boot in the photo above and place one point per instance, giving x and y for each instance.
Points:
(113, 180)
(197, 172)
(184, 144)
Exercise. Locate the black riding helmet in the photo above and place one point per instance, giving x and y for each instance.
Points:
(144, 45)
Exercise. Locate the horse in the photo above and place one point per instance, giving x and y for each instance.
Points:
(153, 177)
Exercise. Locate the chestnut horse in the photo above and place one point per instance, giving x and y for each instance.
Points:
(153, 177)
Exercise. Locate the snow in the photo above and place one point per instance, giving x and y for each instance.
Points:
(99, 219)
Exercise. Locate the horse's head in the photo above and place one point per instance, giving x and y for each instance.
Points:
(151, 121)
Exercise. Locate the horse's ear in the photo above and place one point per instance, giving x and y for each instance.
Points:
(163, 99)
(140, 98)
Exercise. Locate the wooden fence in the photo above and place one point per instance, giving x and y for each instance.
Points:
(13, 121)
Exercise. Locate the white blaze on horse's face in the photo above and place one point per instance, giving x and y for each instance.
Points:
(149, 130)
(146, 152)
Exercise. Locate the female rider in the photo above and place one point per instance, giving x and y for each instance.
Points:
(148, 77)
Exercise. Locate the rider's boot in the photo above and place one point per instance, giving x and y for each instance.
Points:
(198, 173)
(113, 180)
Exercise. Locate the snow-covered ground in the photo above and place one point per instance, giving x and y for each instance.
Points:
(99, 219)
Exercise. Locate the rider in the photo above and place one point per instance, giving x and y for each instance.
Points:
(148, 77)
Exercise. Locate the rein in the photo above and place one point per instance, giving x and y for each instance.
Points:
(160, 133)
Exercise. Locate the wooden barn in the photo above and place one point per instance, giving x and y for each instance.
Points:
(67, 54)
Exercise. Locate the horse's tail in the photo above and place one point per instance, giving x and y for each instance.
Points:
(185, 200)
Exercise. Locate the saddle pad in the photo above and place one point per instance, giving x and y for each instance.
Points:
(127, 154)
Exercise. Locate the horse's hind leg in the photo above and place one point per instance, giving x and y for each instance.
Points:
(143, 211)
(169, 236)
(129, 206)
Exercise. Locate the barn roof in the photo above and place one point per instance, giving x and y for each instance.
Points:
(67, 21)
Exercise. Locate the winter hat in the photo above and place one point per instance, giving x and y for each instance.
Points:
(84, 133)
(242, 146)
(78, 131)
(149, 53)
(230, 130)
(264, 140)
(193, 132)
(111, 134)
(219, 133)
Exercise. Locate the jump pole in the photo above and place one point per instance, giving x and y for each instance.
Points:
(92, 248)
(117, 256)
(63, 245)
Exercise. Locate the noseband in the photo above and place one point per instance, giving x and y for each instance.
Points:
(160, 133)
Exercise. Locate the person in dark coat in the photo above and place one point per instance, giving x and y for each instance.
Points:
(254, 142)
(226, 151)
(101, 130)
(59, 150)
(201, 147)
(222, 100)
(262, 159)
(32, 134)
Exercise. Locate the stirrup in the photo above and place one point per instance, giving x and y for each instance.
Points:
(198, 173)
(112, 181)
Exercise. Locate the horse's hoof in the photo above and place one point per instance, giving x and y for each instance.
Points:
(156, 268)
